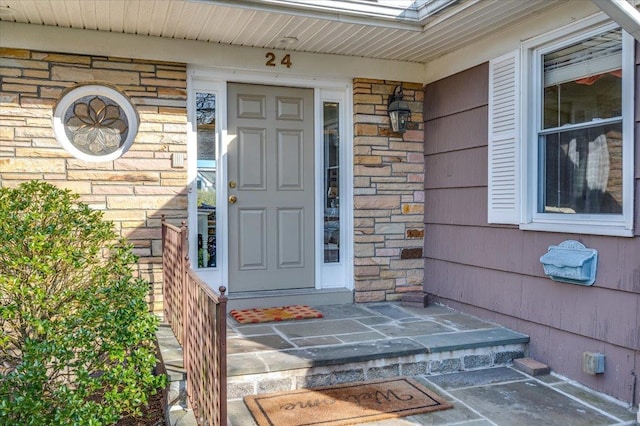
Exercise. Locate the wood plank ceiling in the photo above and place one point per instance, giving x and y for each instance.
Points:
(254, 24)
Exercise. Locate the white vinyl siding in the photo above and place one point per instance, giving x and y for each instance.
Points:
(504, 146)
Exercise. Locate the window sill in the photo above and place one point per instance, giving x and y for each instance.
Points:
(569, 227)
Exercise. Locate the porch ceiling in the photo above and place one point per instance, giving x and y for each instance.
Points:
(427, 30)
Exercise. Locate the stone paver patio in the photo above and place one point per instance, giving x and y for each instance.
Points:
(464, 359)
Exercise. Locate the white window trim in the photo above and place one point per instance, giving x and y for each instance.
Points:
(594, 224)
(334, 275)
(219, 89)
(214, 80)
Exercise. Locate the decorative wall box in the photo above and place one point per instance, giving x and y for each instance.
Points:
(571, 262)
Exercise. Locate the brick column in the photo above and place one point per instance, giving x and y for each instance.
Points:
(388, 194)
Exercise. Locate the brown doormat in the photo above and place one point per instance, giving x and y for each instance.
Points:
(294, 312)
(345, 404)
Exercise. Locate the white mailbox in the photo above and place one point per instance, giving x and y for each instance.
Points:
(571, 262)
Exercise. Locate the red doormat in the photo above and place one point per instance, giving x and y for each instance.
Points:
(283, 313)
(346, 404)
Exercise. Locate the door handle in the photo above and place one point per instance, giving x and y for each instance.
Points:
(232, 199)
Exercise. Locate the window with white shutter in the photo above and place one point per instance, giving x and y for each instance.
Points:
(576, 130)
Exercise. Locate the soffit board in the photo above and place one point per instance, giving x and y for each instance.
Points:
(242, 23)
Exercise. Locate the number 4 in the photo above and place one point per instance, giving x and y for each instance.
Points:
(286, 61)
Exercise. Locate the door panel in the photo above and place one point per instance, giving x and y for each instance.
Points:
(252, 239)
(251, 106)
(271, 174)
(252, 153)
(290, 238)
(289, 108)
(290, 160)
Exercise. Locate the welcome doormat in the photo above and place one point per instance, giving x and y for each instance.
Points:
(345, 404)
(283, 313)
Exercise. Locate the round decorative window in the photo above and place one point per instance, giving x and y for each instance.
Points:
(95, 123)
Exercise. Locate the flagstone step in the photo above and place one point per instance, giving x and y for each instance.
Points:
(363, 342)
(244, 384)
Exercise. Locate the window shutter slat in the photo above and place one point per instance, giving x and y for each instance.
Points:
(504, 146)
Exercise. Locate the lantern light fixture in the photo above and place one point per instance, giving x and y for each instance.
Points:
(399, 112)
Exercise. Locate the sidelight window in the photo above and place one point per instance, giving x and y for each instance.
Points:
(331, 114)
(206, 180)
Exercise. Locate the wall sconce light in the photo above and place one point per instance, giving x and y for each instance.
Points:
(399, 112)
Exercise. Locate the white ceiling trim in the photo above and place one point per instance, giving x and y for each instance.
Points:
(400, 14)
(444, 27)
(200, 53)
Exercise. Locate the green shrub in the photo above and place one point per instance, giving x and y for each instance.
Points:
(78, 341)
(206, 196)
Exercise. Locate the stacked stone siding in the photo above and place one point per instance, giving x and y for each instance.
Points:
(133, 190)
(388, 194)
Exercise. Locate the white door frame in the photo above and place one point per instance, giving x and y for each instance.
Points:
(214, 80)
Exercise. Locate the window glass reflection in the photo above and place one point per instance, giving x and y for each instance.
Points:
(206, 180)
(581, 137)
(331, 114)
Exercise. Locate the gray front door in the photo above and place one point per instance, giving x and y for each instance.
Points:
(270, 187)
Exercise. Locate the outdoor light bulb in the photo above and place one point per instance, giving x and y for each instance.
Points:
(288, 41)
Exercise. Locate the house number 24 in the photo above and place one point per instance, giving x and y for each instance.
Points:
(271, 60)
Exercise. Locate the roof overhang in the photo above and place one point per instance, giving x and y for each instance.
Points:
(402, 31)
(406, 14)
(624, 13)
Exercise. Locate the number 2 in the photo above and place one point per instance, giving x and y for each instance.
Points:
(271, 59)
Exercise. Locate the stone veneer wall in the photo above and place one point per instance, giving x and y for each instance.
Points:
(133, 190)
(388, 194)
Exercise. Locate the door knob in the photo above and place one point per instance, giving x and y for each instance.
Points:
(232, 199)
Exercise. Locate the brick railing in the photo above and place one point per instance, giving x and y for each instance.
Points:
(197, 316)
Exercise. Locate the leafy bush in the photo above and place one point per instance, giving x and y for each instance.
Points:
(206, 197)
(78, 340)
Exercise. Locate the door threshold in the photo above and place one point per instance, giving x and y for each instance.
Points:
(298, 296)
